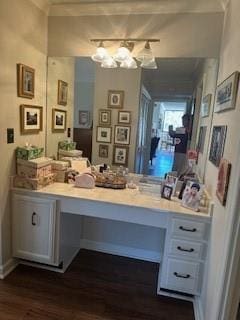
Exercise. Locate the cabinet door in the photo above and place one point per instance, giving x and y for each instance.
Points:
(34, 221)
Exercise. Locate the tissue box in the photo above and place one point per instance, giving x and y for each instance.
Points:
(33, 184)
(35, 168)
(71, 153)
(66, 145)
(28, 153)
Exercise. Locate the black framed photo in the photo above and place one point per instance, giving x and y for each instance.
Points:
(167, 192)
(217, 144)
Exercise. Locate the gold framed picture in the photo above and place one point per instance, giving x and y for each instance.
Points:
(59, 120)
(104, 117)
(25, 81)
(120, 155)
(62, 92)
(104, 134)
(124, 117)
(115, 99)
(31, 119)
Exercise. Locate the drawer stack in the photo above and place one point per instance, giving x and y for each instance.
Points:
(184, 255)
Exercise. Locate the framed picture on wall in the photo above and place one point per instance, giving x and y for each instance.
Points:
(104, 134)
(115, 99)
(226, 93)
(223, 180)
(104, 117)
(217, 144)
(124, 117)
(103, 151)
(31, 119)
(62, 92)
(84, 118)
(122, 135)
(59, 120)
(201, 138)
(25, 81)
(120, 155)
(206, 104)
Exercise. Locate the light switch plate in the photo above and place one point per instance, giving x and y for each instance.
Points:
(10, 135)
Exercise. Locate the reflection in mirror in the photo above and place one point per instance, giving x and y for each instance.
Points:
(122, 117)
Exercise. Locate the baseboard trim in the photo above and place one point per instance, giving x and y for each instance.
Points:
(146, 255)
(198, 311)
(8, 267)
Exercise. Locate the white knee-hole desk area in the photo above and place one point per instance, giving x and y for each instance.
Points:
(47, 223)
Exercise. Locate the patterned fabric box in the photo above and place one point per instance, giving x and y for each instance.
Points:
(67, 145)
(71, 153)
(35, 168)
(28, 153)
(59, 165)
(32, 184)
(61, 175)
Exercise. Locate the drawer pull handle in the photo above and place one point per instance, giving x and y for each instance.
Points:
(188, 230)
(33, 222)
(184, 276)
(185, 250)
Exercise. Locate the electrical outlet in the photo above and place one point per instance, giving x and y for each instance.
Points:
(10, 135)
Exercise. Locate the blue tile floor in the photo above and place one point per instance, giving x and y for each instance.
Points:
(161, 164)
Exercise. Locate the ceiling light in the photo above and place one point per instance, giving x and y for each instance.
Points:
(109, 63)
(145, 54)
(146, 64)
(101, 53)
(123, 53)
(129, 63)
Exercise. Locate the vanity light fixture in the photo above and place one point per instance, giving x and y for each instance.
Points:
(123, 56)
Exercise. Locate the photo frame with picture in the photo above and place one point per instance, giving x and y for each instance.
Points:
(201, 138)
(124, 117)
(31, 119)
(103, 151)
(192, 195)
(224, 172)
(104, 134)
(120, 155)
(62, 92)
(25, 81)
(171, 181)
(105, 117)
(166, 192)
(59, 120)
(122, 135)
(217, 144)
(115, 99)
(206, 104)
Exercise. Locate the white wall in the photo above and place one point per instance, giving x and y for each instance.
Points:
(23, 34)
(222, 217)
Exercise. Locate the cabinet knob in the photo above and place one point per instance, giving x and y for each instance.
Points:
(188, 230)
(178, 275)
(33, 220)
(185, 250)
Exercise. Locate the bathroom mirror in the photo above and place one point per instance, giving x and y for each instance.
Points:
(113, 114)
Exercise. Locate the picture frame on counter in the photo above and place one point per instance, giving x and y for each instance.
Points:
(205, 106)
(59, 120)
(103, 151)
(226, 93)
(84, 118)
(120, 155)
(31, 119)
(217, 144)
(105, 117)
(25, 81)
(62, 92)
(224, 172)
(104, 134)
(115, 99)
(122, 135)
(124, 117)
(166, 192)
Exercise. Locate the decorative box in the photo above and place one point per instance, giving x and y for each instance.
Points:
(29, 152)
(67, 145)
(35, 168)
(33, 184)
(70, 153)
(61, 176)
(59, 165)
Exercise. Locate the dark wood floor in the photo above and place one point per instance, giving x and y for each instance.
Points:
(96, 286)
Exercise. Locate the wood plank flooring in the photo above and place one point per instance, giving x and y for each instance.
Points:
(96, 286)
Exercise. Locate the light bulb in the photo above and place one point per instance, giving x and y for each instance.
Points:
(146, 64)
(129, 63)
(101, 54)
(109, 63)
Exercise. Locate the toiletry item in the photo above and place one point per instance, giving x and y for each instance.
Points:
(35, 168)
(70, 153)
(85, 180)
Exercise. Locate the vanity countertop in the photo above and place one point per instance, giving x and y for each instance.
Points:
(126, 197)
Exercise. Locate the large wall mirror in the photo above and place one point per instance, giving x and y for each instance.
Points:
(119, 116)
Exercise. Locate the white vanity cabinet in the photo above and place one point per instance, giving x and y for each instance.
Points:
(35, 229)
(184, 255)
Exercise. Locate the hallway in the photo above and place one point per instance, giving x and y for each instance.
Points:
(162, 163)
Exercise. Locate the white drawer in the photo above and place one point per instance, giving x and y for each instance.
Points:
(182, 275)
(187, 249)
(188, 229)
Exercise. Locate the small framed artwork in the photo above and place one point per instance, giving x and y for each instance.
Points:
(166, 192)
(31, 119)
(124, 117)
(104, 117)
(84, 118)
(120, 155)
(122, 135)
(192, 195)
(103, 151)
(201, 138)
(217, 144)
(59, 120)
(171, 181)
(62, 92)
(115, 99)
(223, 180)
(226, 93)
(26, 81)
(206, 103)
(104, 134)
